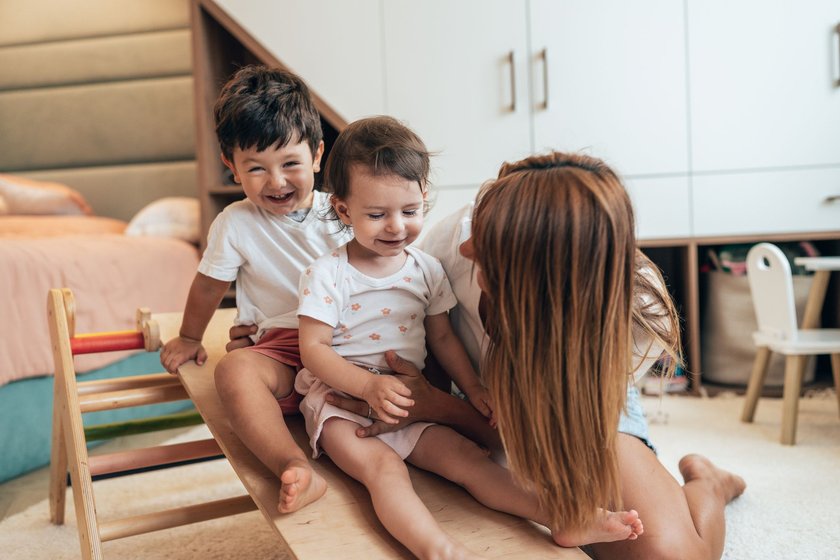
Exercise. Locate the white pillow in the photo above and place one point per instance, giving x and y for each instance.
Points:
(174, 216)
(28, 196)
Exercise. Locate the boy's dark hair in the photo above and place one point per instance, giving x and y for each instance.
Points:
(260, 107)
(384, 146)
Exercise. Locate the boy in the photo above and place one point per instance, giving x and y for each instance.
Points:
(271, 139)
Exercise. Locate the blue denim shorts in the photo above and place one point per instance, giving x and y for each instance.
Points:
(633, 421)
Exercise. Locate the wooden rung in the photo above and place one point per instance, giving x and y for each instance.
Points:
(121, 461)
(107, 342)
(131, 397)
(143, 425)
(131, 382)
(140, 524)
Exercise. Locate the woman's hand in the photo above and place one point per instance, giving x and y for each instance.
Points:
(387, 397)
(410, 376)
(240, 337)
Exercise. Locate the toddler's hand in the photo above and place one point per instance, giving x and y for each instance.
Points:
(179, 351)
(387, 397)
(480, 399)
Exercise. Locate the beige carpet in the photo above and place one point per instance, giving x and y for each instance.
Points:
(790, 509)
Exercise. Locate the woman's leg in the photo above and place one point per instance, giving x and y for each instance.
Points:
(384, 474)
(445, 452)
(249, 384)
(684, 522)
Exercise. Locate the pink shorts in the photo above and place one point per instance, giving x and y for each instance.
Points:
(282, 345)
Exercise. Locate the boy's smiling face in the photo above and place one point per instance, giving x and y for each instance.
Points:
(278, 179)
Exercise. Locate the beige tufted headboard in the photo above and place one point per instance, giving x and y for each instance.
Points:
(97, 94)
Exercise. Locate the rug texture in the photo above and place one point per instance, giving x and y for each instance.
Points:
(789, 511)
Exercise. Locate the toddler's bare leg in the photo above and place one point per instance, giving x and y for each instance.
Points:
(447, 453)
(384, 474)
(248, 384)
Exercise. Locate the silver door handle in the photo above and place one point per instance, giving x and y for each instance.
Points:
(512, 64)
(544, 58)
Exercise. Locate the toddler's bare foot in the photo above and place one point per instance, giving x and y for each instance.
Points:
(610, 526)
(300, 486)
(698, 467)
(449, 550)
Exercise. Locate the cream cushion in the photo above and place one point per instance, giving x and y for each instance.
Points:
(30, 197)
(174, 216)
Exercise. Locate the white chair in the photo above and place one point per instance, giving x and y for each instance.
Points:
(771, 285)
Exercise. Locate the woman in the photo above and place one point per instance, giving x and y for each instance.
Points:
(572, 309)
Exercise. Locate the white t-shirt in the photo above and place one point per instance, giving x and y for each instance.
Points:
(371, 315)
(265, 254)
(442, 242)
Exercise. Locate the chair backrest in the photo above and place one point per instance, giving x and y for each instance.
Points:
(771, 285)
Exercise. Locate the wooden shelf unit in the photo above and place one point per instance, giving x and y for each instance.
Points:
(680, 261)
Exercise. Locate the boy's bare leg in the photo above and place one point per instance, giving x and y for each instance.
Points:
(384, 474)
(684, 520)
(443, 451)
(249, 384)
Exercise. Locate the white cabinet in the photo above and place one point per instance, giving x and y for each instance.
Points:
(334, 45)
(764, 84)
(456, 72)
(616, 81)
(662, 207)
(772, 202)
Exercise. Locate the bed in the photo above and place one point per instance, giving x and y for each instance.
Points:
(113, 267)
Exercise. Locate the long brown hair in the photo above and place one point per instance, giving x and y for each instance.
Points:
(554, 238)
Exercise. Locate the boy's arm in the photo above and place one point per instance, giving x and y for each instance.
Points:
(384, 394)
(205, 295)
(450, 352)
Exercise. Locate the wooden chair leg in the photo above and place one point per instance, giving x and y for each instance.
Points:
(759, 372)
(58, 469)
(790, 406)
(835, 369)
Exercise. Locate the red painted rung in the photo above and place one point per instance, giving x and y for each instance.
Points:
(106, 342)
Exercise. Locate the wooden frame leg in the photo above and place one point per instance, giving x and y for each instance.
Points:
(790, 407)
(835, 369)
(58, 468)
(759, 372)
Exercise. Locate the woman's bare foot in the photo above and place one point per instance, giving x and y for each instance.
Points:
(697, 467)
(610, 526)
(300, 486)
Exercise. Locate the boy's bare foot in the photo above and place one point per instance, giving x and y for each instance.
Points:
(610, 526)
(300, 486)
(729, 485)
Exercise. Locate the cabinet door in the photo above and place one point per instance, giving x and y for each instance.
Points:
(334, 45)
(449, 76)
(763, 80)
(794, 201)
(662, 207)
(616, 81)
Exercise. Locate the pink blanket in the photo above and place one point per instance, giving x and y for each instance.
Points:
(111, 276)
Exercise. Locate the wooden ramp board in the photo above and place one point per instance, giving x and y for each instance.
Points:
(343, 524)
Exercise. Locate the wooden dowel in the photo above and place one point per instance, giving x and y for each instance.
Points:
(107, 342)
(150, 456)
(143, 425)
(140, 524)
(121, 383)
(131, 397)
